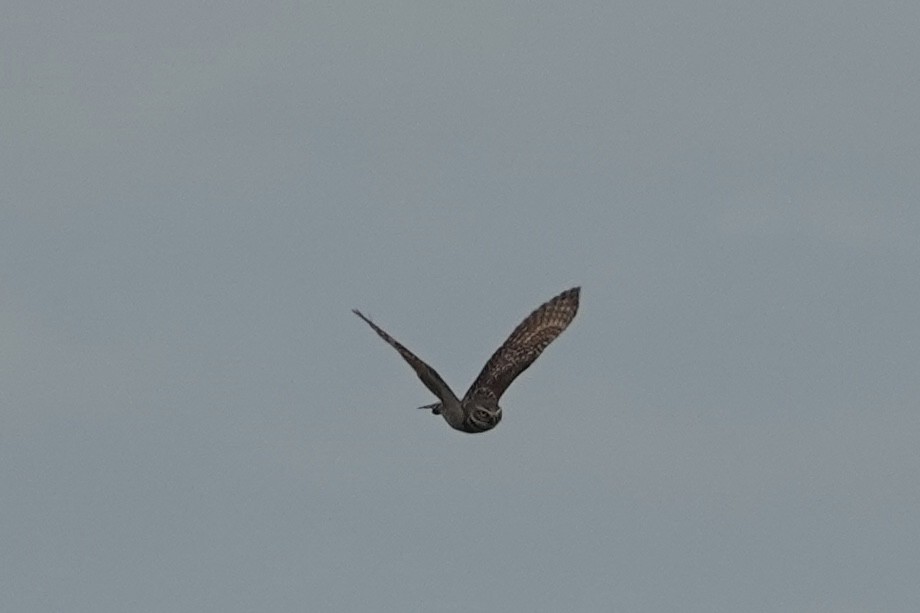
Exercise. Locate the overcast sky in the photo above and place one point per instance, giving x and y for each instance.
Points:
(195, 195)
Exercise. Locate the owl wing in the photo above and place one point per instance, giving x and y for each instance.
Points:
(525, 345)
(426, 373)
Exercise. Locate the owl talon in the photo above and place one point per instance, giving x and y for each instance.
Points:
(435, 408)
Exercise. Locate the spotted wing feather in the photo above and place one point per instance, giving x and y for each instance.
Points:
(525, 345)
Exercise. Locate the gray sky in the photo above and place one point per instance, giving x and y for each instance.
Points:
(194, 196)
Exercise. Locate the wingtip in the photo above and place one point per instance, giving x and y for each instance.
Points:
(571, 296)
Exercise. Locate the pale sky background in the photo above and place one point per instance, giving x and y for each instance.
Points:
(195, 195)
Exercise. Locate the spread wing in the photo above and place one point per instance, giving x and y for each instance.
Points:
(525, 345)
(426, 373)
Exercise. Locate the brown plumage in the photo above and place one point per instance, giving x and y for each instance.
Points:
(479, 410)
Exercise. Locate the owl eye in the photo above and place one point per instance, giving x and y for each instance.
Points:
(482, 415)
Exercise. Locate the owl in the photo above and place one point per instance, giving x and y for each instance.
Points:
(479, 410)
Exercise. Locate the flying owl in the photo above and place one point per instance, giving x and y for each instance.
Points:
(479, 410)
